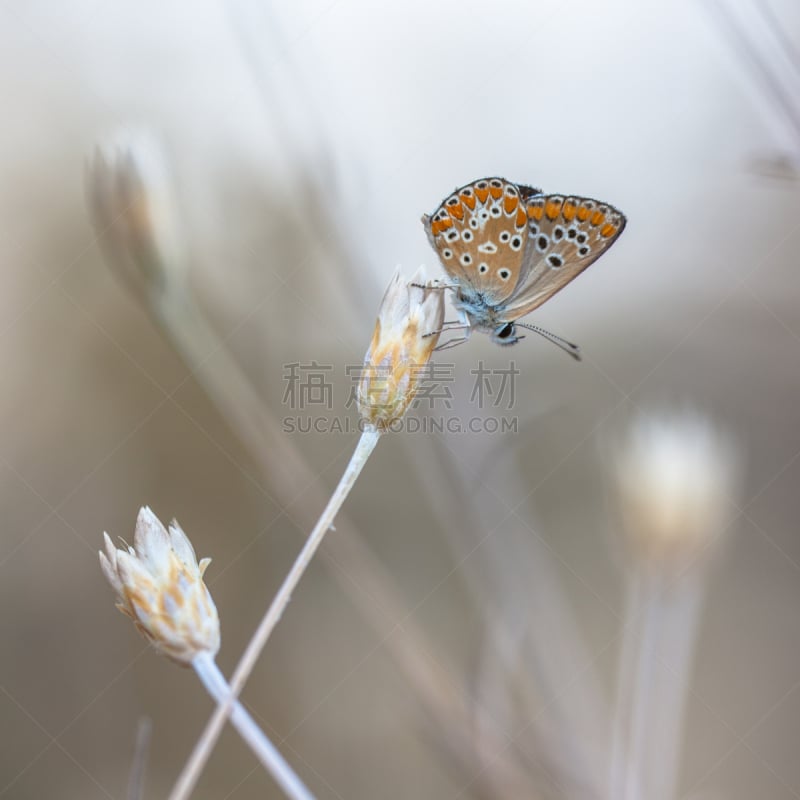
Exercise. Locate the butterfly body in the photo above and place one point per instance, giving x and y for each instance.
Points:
(481, 315)
(508, 248)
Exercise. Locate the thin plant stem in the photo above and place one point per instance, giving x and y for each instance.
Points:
(773, 82)
(661, 622)
(681, 613)
(644, 688)
(625, 678)
(214, 681)
(143, 737)
(779, 32)
(188, 777)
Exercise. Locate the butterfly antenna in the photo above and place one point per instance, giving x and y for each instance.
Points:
(566, 346)
(434, 286)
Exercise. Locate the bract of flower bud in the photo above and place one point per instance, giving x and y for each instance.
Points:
(159, 585)
(406, 333)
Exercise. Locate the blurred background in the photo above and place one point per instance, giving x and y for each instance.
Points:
(461, 634)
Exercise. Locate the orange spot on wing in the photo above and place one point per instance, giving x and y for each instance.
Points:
(468, 200)
(583, 213)
(598, 217)
(439, 225)
(608, 230)
(521, 217)
(552, 209)
(456, 211)
(509, 204)
(495, 191)
(535, 212)
(569, 211)
(482, 194)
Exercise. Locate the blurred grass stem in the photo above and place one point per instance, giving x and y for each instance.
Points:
(658, 644)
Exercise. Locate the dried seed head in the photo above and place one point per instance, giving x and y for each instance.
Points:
(676, 477)
(129, 190)
(406, 333)
(159, 585)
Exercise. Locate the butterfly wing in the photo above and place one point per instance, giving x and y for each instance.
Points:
(565, 236)
(480, 234)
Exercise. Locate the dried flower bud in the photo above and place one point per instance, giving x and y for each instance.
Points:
(406, 333)
(129, 192)
(159, 585)
(676, 477)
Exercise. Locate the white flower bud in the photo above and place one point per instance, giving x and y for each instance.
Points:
(159, 585)
(406, 333)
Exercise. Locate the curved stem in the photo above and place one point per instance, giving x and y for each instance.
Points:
(188, 777)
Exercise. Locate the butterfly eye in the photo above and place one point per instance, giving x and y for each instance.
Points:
(452, 236)
(446, 253)
(483, 268)
(467, 236)
(516, 243)
(572, 233)
(496, 211)
(504, 274)
(496, 183)
(541, 243)
(505, 236)
(584, 251)
(555, 261)
(533, 228)
(558, 233)
(473, 223)
(505, 331)
(582, 238)
(466, 259)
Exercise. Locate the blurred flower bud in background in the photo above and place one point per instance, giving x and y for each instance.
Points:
(132, 207)
(676, 475)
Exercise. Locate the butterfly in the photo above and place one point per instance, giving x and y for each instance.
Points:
(508, 248)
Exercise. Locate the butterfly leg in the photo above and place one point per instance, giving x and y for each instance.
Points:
(462, 323)
(452, 342)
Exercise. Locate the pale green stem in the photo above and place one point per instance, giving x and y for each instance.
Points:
(214, 681)
(188, 777)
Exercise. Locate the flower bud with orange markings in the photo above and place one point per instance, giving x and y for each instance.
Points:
(406, 334)
(159, 585)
